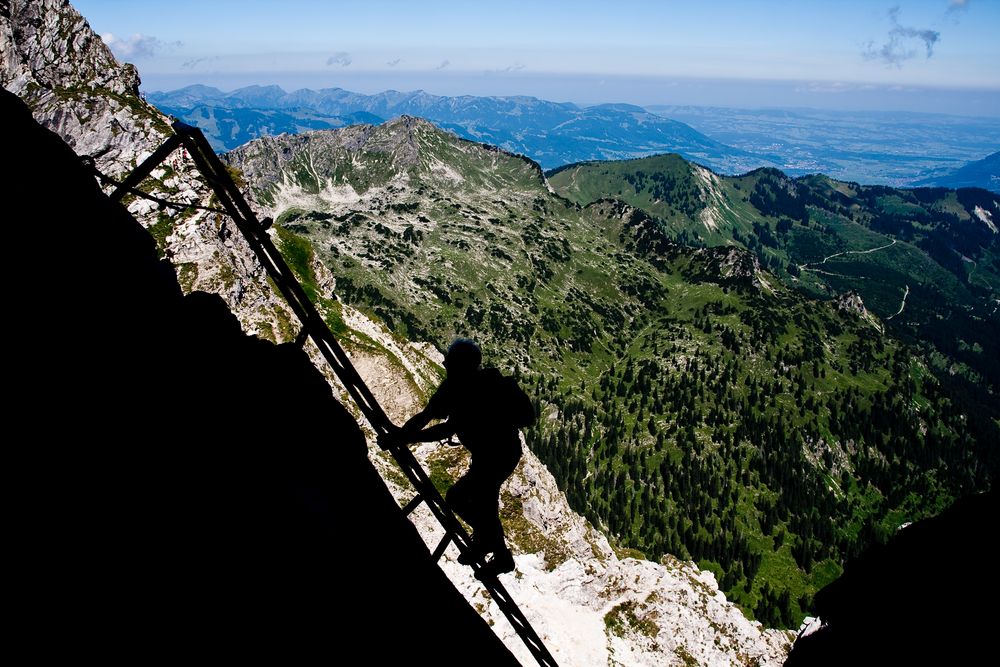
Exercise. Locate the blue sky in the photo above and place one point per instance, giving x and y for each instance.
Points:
(917, 55)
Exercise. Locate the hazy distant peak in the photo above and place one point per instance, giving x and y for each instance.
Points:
(618, 106)
(199, 89)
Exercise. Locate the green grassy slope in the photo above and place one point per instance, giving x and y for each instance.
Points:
(691, 403)
(939, 249)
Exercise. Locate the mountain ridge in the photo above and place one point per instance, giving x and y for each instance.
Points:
(984, 173)
(549, 132)
(937, 247)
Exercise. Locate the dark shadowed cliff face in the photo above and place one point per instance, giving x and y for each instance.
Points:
(189, 490)
(927, 597)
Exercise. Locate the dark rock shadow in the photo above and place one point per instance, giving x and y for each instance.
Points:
(927, 597)
(187, 491)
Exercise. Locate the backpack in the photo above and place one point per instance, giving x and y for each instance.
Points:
(513, 403)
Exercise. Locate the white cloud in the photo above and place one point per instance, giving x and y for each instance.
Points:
(136, 46)
(342, 58)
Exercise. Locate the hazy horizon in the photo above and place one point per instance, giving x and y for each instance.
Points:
(695, 93)
(933, 56)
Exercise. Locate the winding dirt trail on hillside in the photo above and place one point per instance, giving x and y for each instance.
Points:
(805, 267)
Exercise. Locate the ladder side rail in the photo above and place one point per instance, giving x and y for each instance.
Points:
(279, 271)
(256, 236)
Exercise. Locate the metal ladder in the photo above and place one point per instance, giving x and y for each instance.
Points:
(219, 179)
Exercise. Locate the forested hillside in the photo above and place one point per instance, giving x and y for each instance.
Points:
(691, 402)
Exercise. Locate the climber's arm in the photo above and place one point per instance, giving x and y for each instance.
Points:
(415, 430)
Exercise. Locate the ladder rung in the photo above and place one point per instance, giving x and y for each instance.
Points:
(412, 505)
(442, 545)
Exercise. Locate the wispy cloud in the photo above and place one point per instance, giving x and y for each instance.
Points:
(136, 46)
(957, 9)
(394, 62)
(196, 62)
(342, 58)
(516, 67)
(902, 42)
(444, 63)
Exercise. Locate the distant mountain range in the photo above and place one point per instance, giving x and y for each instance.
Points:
(886, 148)
(551, 133)
(983, 173)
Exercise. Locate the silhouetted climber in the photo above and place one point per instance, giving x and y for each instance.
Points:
(485, 409)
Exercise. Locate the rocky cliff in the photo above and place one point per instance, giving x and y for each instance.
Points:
(73, 85)
(598, 606)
